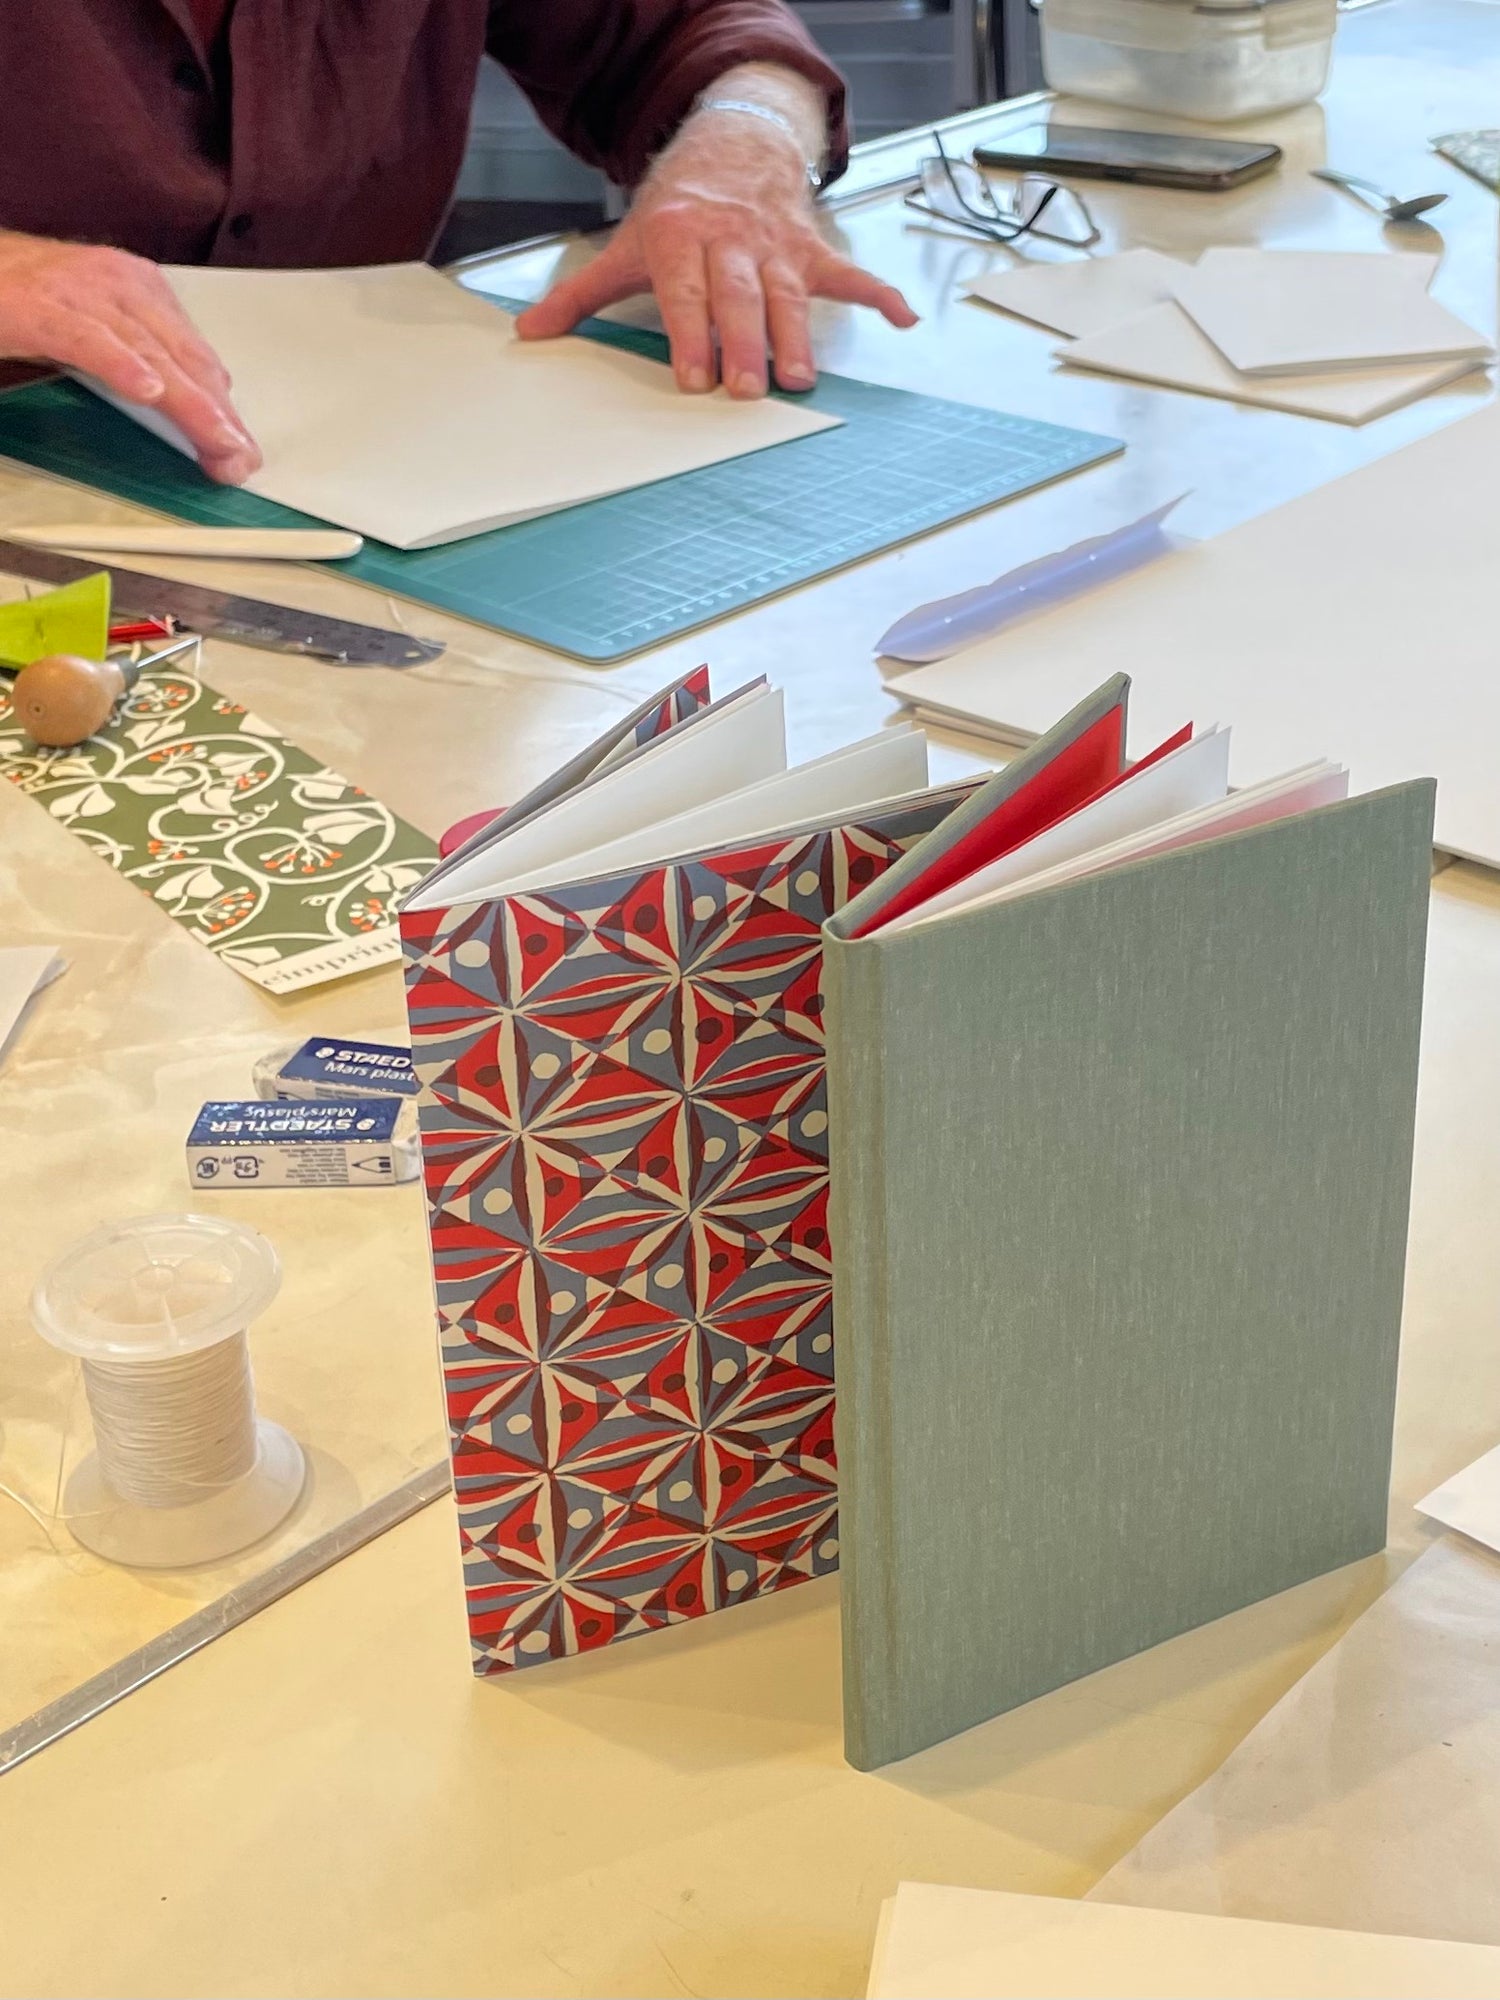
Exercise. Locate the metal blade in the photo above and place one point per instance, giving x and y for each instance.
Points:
(216, 614)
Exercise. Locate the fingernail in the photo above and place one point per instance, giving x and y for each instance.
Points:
(696, 381)
(795, 376)
(233, 466)
(746, 385)
(152, 388)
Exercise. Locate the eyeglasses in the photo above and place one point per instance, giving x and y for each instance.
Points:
(956, 192)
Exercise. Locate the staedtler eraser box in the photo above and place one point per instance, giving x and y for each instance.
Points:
(325, 1068)
(364, 1142)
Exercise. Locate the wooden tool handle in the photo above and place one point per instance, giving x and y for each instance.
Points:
(61, 699)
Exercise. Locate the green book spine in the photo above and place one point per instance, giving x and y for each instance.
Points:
(858, 1221)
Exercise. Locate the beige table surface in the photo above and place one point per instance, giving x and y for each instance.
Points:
(323, 1802)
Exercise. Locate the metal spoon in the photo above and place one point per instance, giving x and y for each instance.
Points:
(1391, 206)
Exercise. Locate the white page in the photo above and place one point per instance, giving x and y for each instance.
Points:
(941, 1943)
(1083, 297)
(745, 739)
(1470, 1501)
(1286, 312)
(25, 969)
(1360, 617)
(1194, 775)
(862, 774)
(1164, 347)
(1278, 798)
(392, 401)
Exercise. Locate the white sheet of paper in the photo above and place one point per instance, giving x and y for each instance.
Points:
(1083, 297)
(394, 402)
(1189, 777)
(745, 740)
(1470, 1501)
(25, 969)
(1289, 312)
(993, 1944)
(1164, 347)
(1359, 618)
(1369, 1796)
(861, 774)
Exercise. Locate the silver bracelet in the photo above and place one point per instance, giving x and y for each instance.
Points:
(816, 169)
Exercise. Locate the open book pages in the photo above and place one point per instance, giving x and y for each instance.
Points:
(720, 777)
(717, 779)
(391, 401)
(1177, 796)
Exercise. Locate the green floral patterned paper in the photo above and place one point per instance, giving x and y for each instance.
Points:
(283, 868)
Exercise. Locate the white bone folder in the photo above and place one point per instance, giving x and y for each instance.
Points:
(170, 538)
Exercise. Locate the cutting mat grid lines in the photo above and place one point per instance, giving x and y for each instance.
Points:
(616, 575)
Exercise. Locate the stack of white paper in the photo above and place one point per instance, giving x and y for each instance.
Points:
(391, 401)
(1287, 312)
(1342, 335)
(1164, 346)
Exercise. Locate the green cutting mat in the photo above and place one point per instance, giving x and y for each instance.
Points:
(612, 576)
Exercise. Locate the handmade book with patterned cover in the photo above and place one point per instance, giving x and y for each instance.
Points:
(1121, 1161)
(625, 1151)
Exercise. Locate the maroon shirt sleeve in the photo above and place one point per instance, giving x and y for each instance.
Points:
(613, 79)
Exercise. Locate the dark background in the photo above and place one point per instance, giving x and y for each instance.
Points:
(906, 61)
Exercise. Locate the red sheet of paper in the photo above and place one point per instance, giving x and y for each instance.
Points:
(1086, 766)
(1091, 765)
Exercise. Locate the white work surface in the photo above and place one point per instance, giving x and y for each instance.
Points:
(323, 1802)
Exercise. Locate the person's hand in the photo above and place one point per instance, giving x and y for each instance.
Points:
(723, 231)
(115, 317)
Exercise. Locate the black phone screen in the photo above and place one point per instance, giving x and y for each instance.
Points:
(1082, 146)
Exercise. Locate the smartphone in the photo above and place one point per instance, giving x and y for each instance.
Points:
(1158, 159)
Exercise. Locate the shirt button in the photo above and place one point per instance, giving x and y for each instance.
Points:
(241, 225)
(187, 76)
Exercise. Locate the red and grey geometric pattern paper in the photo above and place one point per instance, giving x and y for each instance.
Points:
(624, 1132)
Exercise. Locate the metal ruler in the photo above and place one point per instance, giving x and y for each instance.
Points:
(215, 614)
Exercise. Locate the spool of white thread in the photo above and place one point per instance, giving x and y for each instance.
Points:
(183, 1471)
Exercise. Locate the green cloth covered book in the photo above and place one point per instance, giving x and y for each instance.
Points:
(1121, 1115)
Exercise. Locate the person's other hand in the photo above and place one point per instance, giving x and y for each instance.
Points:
(723, 231)
(115, 317)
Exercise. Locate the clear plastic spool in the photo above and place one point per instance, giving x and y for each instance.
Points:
(183, 1471)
